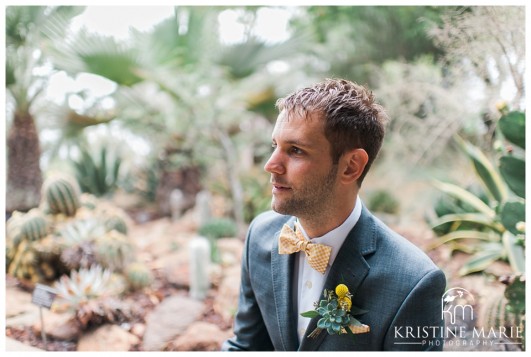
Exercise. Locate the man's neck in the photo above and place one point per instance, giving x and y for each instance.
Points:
(319, 226)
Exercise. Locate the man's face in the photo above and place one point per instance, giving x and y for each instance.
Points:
(302, 173)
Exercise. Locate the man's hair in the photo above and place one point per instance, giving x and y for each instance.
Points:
(352, 119)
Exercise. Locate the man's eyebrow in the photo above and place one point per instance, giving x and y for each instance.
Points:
(299, 143)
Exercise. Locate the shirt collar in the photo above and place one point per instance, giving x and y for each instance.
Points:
(337, 236)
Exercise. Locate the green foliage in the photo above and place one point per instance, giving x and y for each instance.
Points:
(383, 201)
(346, 35)
(257, 195)
(512, 125)
(62, 195)
(97, 174)
(218, 228)
(488, 229)
(513, 171)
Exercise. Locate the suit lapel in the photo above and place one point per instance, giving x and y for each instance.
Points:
(349, 268)
(282, 275)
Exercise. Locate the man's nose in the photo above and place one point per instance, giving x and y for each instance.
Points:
(275, 165)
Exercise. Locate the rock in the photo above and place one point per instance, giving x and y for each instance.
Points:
(226, 302)
(169, 319)
(175, 268)
(18, 302)
(201, 336)
(62, 327)
(12, 345)
(230, 251)
(20, 311)
(107, 338)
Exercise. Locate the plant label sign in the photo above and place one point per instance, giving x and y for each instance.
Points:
(43, 296)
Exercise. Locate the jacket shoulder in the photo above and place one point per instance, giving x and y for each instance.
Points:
(269, 221)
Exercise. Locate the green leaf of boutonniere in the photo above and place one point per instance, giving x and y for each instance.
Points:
(310, 314)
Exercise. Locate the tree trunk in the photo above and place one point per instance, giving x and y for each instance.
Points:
(231, 159)
(24, 177)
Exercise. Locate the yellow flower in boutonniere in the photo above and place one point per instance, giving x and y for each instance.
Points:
(337, 313)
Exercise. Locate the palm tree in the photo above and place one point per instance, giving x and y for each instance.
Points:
(24, 26)
(205, 86)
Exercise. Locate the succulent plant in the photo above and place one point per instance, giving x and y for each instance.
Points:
(88, 200)
(84, 285)
(24, 262)
(90, 293)
(61, 194)
(138, 275)
(333, 316)
(81, 255)
(117, 223)
(33, 226)
(113, 250)
(79, 231)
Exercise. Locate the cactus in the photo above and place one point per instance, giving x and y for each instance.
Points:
(138, 275)
(508, 310)
(113, 250)
(81, 230)
(117, 223)
(69, 231)
(88, 200)
(62, 195)
(23, 265)
(199, 251)
(33, 227)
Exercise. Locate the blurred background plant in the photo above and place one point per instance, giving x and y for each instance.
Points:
(494, 228)
(181, 106)
(217, 228)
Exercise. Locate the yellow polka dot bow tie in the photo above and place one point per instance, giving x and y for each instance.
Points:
(291, 241)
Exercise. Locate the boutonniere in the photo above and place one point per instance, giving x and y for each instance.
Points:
(337, 314)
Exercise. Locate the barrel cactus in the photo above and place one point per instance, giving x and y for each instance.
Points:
(24, 263)
(117, 223)
(138, 275)
(62, 195)
(114, 251)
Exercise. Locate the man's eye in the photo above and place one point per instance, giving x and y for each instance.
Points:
(273, 146)
(296, 150)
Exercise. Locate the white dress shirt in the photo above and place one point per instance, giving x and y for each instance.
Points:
(308, 282)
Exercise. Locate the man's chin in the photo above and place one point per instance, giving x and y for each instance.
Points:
(281, 209)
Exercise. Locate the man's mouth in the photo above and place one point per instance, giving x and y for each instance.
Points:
(277, 187)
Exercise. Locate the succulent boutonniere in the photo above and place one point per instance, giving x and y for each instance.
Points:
(337, 314)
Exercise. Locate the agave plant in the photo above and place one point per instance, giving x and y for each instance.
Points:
(498, 224)
(97, 173)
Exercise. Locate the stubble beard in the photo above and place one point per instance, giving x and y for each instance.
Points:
(311, 201)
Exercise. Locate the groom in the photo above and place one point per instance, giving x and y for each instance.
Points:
(320, 235)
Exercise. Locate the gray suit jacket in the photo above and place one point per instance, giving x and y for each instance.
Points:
(390, 277)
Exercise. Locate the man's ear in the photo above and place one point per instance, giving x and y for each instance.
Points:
(354, 164)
